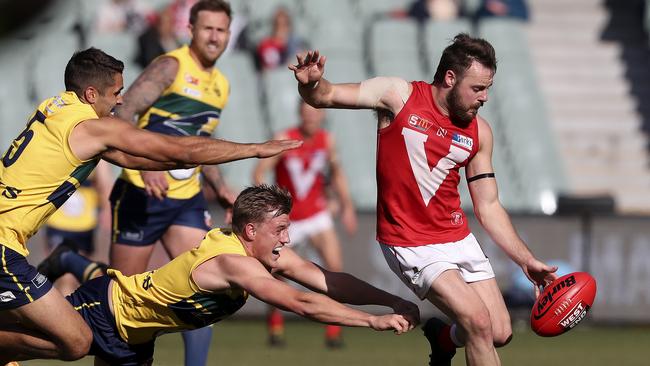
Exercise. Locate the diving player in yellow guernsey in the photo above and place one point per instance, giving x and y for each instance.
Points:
(212, 281)
(180, 93)
(61, 144)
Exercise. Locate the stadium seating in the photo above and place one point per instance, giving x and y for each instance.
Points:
(373, 8)
(15, 105)
(522, 112)
(355, 134)
(49, 66)
(282, 99)
(437, 36)
(395, 49)
(242, 119)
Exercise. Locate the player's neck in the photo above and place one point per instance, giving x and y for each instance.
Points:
(203, 64)
(440, 98)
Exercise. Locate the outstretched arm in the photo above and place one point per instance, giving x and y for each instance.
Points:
(249, 274)
(341, 286)
(94, 137)
(494, 218)
(388, 93)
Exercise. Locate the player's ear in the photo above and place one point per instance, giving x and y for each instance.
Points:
(450, 78)
(91, 94)
(249, 231)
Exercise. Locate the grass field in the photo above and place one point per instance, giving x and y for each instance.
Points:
(242, 342)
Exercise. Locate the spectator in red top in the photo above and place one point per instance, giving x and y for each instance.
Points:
(275, 49)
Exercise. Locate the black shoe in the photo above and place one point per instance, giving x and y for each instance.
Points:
(277, 341)
(334, 343)
(51, 266)
(438, 356)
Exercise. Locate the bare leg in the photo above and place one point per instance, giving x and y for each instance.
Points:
(462, 303)
(329, 248)
(38, 334)
(130, 259)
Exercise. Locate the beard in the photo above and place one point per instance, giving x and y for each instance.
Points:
(458, 113)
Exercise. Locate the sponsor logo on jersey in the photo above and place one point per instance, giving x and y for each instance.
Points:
(463, 141)
(192, 92)
(456, 218)
(39, 280)
(132, 235)
(191, 79)
(419, 123)
(7, 296)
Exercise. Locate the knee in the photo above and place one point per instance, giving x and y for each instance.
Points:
(501, 338)
(478, 325)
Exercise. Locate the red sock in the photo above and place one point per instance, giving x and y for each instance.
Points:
(275, 322)
(332, 331)
(444, 339)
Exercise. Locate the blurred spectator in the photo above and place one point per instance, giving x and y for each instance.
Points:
(159, 38)
(179, 13)
(503, 8)
(439, 10)
(122, 16)
(275, 49)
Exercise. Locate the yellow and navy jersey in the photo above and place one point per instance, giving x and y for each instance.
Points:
(39, 170)
(79, 212)
(190, 106)
(167, 299)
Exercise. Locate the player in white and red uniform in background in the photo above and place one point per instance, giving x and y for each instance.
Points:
(306, 173)
(427, 132)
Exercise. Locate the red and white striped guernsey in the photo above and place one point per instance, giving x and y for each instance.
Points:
(418, 160)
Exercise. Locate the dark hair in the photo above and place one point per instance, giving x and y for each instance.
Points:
(209, 5)
(91, 67)
(459, 55)
(255, 203)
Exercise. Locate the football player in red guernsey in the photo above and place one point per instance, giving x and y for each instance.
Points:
(305, 174)
(427, 132)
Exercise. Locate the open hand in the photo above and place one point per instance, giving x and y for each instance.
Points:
(275, 147)
(309, 69)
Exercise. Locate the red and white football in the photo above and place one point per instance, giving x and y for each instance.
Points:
(563, 304)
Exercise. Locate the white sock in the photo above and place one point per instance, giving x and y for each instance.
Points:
(454, 337)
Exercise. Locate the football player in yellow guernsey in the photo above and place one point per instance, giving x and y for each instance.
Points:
(180, 93)
(61, 144)
(214, 279)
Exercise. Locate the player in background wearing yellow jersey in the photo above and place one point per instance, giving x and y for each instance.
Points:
(61, 144)
(213, 280)
(179, 93)
(76, 222)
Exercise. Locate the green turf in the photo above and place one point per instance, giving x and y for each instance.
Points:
(240, 342)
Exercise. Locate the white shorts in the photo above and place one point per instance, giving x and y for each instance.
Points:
(419, 266)
(300, 230)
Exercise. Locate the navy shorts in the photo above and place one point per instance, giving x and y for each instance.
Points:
(82, 239)
(20, 282)
(91, 301)
(141, 220)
